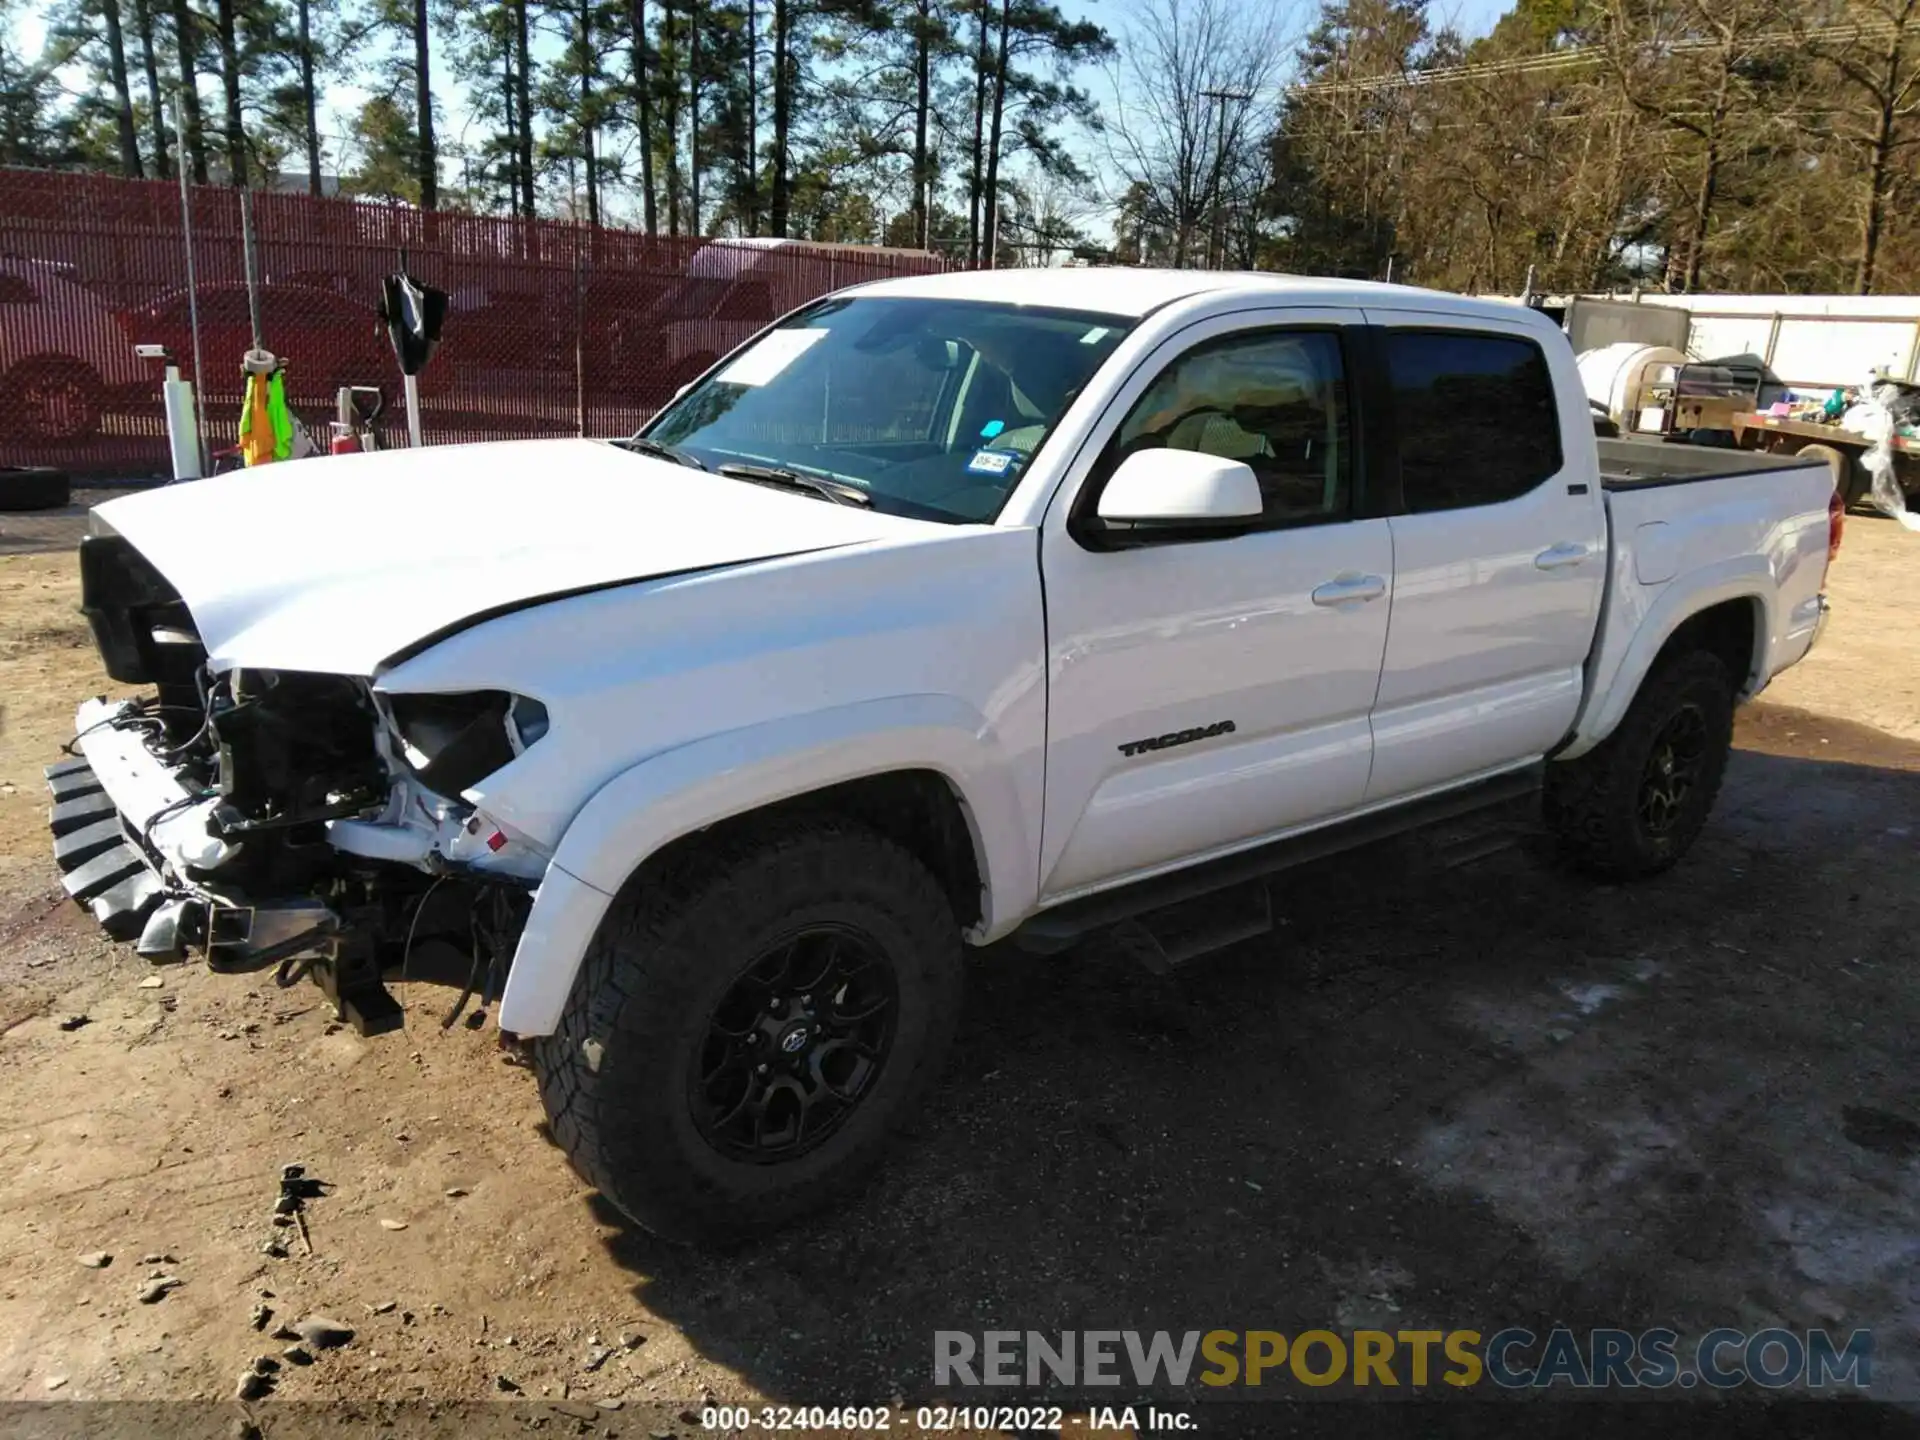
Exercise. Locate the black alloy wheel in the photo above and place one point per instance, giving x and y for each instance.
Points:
(794, 1045)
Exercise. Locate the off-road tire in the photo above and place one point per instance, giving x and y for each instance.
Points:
(614, 1075)
(1593, 803)
(34, 487)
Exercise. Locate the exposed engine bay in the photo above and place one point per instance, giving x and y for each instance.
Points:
(304, 821)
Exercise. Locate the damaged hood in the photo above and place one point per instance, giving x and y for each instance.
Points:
(335, 565)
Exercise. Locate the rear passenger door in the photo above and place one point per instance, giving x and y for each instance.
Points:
(1499, 549)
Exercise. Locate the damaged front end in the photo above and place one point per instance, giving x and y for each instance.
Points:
(280, 818)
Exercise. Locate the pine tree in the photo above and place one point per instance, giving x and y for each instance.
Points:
(186, 44)
(122, 94)
(156, 104)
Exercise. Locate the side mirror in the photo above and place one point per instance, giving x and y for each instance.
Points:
(1179, 489)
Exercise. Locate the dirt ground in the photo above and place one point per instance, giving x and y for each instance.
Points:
(1438, 1097)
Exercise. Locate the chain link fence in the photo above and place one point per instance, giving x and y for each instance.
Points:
(553, 328)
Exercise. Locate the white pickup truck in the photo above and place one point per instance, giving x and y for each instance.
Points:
(949, 609)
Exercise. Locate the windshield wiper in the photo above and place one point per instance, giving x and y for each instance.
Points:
(834, 490)
(641, 445)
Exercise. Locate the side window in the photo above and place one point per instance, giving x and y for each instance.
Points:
(1276, 400)
(1475, 415)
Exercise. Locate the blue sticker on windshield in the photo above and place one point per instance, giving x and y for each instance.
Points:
(991, 462)
(992, 428)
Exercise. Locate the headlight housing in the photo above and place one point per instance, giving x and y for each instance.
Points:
(453, 741)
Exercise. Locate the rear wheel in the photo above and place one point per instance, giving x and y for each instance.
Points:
(1635, 803)
(750, 1025)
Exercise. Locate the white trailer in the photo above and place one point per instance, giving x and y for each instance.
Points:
(1812, 342)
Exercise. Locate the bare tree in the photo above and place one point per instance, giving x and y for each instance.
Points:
(1710, 100)
(1873, 48)
(1194, 83)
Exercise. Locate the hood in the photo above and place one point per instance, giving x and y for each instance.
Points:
(337, 564)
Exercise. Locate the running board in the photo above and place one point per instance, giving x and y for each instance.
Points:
(1149, 904)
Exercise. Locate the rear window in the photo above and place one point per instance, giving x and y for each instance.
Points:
(1476, 417)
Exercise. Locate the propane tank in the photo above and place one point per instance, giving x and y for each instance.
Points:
(1616, 376)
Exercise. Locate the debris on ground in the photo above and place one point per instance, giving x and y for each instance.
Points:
(74, 1022)
(384, 1307)
(152, 982)
(323, 1332)
(290, 1205)
(393, 1224)
(252, 1385)
(262, 1313)
(56, 1382)
(97, 1260)
(155, 1290)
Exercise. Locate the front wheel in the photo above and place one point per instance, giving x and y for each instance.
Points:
(750, 1025)
(1635, 803)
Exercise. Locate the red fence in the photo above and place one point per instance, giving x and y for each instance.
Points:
(553, 328)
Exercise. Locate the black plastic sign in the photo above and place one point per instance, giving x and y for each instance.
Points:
(414, 314)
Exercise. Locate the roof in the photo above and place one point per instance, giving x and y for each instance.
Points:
(1116, 290)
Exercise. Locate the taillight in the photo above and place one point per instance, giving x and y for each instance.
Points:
(1836, 526)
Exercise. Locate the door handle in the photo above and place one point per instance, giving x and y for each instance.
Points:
(1559, 557)
(1350, 590)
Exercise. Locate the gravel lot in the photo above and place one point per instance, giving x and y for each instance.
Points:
(1440, 1096)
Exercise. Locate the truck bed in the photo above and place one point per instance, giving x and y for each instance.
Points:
(1645, 464)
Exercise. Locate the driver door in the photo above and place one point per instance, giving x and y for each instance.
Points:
(1207, 694)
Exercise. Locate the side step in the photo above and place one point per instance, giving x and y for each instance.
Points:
(1064, 925)
(1162, 939)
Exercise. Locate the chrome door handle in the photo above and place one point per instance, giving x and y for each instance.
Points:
(1559, 557)
(1350, 590)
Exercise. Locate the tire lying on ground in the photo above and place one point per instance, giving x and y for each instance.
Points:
(34, 487)
(1636, 802)
(752, 1021)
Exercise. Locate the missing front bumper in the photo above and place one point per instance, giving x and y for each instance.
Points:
(109, 803)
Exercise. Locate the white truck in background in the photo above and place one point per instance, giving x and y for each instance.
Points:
(949, 610)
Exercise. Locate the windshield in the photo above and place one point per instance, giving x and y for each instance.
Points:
(930, 407)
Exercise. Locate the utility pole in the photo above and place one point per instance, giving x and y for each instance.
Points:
(1216, 231)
